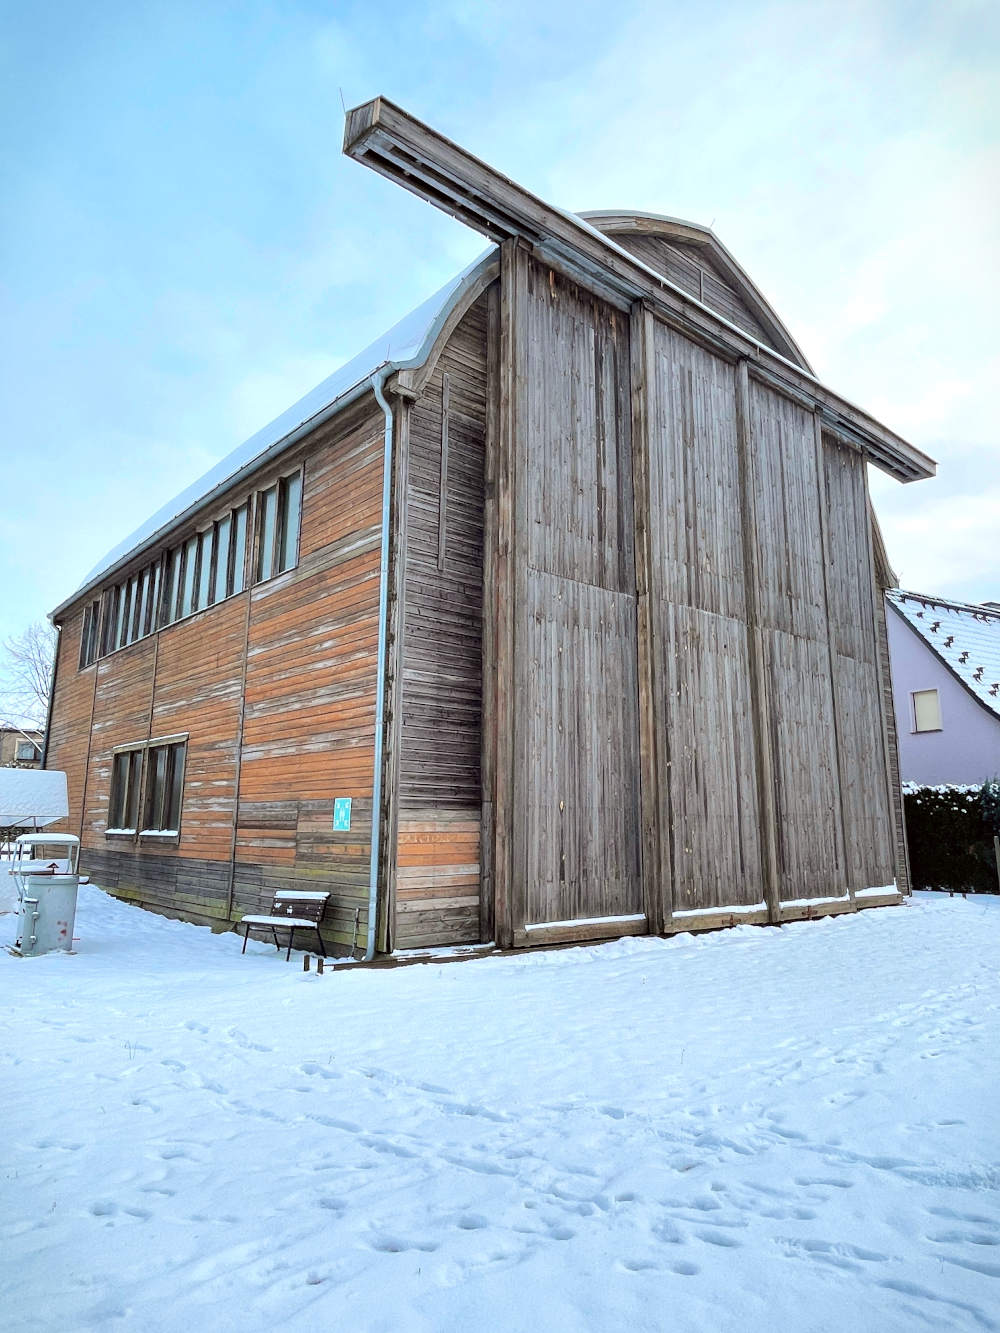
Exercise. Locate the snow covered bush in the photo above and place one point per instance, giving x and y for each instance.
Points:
(949, 831)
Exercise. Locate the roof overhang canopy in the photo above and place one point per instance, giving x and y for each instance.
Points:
(387, 139)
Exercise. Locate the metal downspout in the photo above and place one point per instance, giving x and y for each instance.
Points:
(377, 381)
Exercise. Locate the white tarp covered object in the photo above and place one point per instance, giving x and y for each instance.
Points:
(32, 797)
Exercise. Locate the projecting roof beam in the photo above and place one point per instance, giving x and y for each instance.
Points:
(427, 164)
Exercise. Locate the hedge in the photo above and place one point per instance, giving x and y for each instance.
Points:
(949, 830)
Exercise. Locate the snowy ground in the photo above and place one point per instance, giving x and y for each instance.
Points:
(752, 1130)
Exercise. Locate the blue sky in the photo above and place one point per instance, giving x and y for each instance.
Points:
(184, 250)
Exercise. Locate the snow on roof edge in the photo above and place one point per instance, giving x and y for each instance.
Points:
(954, 631)
(406, 344)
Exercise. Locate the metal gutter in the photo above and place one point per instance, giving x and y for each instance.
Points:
(377, 381)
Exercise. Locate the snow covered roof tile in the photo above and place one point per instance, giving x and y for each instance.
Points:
(965, 636)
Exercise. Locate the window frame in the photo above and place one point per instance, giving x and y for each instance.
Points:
(138, 786)
(917, 729)
(206, 566)
(269, 557)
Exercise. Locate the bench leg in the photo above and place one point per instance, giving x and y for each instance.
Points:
(246, 936)
(291, 933)
(322, 946)
(276, 944)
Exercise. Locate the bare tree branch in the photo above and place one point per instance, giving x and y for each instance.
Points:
(27, 675)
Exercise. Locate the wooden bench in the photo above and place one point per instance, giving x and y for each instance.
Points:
(290, 911)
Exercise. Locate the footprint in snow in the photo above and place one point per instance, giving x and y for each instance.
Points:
(240, 1038)
(719, 1238)
(395, 1245)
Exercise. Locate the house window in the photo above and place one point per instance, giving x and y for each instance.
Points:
(126, 775)
(89, 641)
(164, 788)
(926, 710)
(278, 511)
(147, 786)
(27, 751)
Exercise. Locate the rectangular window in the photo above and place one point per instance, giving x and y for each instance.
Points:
(123, 807)
(120, 600)
(131, 597)
(289, 505)
(206, 544)
(28, 752)
(153, 605)
(142, 602)
(164, 788)
(171, 586)
(223, 555)
(278, 511)
(926, 710)
(109, 615)
(89, 640)
(189, 577)
(267, 510)
(237, 581)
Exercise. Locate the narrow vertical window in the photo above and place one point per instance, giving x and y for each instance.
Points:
(153, 606)
(121, 600)
(123, 805)
(206, 543)
(172, 586)
(89, 638)
(268, 511)
(164, 789)
(223, 555)
(238, 579)
(108, 620)
(189, 575)
(289, 507)
(142, 601)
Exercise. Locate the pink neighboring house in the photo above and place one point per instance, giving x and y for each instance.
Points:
(945, 659)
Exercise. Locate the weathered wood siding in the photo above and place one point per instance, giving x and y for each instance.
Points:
(437, 875)
(691, 269)
(275, 690)
(856, 672)
(567, 773)
(793, 617)
(708, 808)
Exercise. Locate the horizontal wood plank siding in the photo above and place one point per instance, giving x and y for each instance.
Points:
(275, 690)
(437, 875)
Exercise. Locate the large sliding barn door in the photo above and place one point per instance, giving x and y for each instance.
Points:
(568, 788)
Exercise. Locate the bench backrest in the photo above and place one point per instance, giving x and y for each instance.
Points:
(306, 906)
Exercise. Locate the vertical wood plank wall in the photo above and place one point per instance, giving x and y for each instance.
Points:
(303, 648)
(702, 707)
(437, 873)
(570, 782)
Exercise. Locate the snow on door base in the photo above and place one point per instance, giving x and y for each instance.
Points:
(887, 891)
(744, 909)
(586, 921)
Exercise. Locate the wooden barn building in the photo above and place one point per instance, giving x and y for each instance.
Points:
(555, 615)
